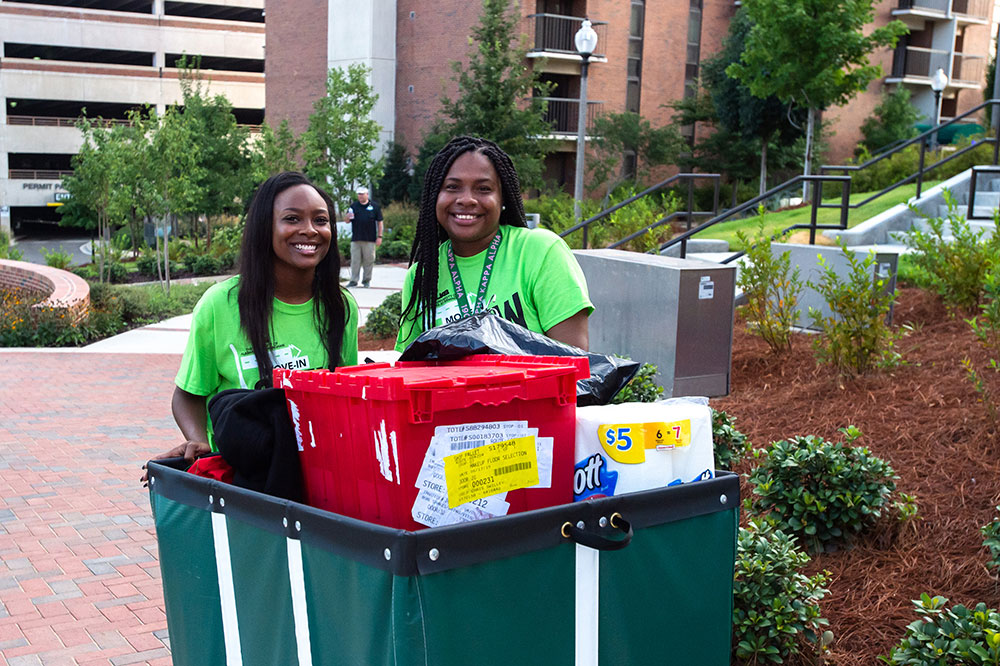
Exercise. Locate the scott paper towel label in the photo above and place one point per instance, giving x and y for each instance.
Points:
(641, 446)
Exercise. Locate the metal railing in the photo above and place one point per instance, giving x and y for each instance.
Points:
(923, 169)
(563, 114)
(975, 8)
(554, 33)
(37, 174)
(54, 121)
(929, 5)
(752, 204)
(689, 213)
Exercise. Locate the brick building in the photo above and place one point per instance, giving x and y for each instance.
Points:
(59, 57)
(647, 53)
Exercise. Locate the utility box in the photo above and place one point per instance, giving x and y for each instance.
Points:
(674, 313)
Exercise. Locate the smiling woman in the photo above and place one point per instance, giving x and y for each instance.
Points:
(285, 309)
(473, 252)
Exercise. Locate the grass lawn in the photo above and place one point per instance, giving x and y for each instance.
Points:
(775, 222)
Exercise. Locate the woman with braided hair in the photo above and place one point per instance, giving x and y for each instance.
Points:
(474, 252)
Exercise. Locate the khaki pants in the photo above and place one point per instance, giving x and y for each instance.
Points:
(362, 254)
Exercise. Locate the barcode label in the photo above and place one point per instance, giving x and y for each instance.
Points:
(507, 469)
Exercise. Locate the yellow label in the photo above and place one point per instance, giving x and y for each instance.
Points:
(491, 469)
(627, 442)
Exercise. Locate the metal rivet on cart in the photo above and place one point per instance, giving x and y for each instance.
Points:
(222, 501)
(387, 553)
(434, 554)
(603, 522)
(723, 499)
(298, 526)
(211, 499)
(580, 524)
(152, 480)
(284, 521)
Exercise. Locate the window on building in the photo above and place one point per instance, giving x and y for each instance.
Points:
(76, 54)
(21, 111)
(633, 66)
(216, 12)
(219, 63)
(692, 61)
(138, 6)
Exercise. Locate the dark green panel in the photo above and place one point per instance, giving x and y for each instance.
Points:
(409, 639)
(518, 610)
(190, 582)
(350, 610)
(263, 595)
(667, 597)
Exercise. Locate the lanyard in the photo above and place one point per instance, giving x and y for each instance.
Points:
(484, 282)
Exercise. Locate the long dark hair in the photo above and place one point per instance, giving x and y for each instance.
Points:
(256, 286)
(430, 234)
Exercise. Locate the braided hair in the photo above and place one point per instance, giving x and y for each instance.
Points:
(430, 234)
(255, 297)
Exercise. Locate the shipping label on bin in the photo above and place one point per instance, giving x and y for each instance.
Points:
(468, 469)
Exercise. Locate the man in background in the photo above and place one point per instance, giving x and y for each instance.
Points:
(365, 217)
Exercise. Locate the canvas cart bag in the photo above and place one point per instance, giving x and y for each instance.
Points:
(644, 578)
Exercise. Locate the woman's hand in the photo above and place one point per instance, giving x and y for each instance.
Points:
(189, 450)
(572, 331)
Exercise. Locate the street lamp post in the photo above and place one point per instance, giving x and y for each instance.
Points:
(938, 83)
(586, 42)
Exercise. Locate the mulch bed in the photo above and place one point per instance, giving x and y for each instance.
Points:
(926, 419)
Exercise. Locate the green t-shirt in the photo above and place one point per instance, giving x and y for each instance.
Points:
(219, 356)
(536, 283)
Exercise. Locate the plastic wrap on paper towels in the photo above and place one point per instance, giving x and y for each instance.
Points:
(486, 333)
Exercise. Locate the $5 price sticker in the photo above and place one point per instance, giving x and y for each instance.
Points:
(627, 442)
(491, 469)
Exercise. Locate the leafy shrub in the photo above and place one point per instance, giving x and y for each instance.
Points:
(344, 246)
(26, 323)
(642, 387)
(730, 444)
(855, 338)
(57, 258)
(7, 251)
(955, 635)
(822, 492)
(775, 606)
(397, 250)
(383, 320)
(771, 287)
(116, 271)
(203, 264)
(954, 268)
(892, 120)
(991, 541)
(146, 264)
(986, 326)
(399, 222)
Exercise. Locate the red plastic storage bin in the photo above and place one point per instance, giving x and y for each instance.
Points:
(339, 418)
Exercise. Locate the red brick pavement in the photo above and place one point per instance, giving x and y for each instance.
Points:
(79, 577)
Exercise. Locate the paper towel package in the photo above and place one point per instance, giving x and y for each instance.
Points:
(642, 445)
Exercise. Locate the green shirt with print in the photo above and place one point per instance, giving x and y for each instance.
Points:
(536, 282)
(219, 356)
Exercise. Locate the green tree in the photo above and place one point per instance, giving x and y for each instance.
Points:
(395, 183)
(274, 151)
(748, 119)
(811, 53)
(220, 147)
(342, 135)
(620, 134)
(892, 120)
(496, 94)
(433, 142)
(94, 180)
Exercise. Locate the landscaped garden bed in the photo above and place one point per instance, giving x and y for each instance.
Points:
(926, 419)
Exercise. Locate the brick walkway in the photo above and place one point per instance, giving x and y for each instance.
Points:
(79, 579)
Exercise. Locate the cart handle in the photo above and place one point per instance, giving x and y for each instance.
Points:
(596, 541)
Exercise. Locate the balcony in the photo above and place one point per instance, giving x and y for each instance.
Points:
(554, 36)
(563, 114)
(976, 11)
(968, 70)
(916, 65)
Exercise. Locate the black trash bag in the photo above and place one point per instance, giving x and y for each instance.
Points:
(486, 333)
(254, 434)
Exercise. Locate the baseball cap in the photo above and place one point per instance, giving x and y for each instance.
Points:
(362, 190)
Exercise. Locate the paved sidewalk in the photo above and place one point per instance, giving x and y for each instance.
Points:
(79, 580)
